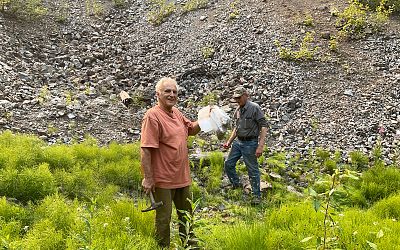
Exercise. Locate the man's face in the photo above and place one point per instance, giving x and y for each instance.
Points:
(241, 100)
(168, 95)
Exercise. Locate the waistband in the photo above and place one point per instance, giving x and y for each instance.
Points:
(250, 138)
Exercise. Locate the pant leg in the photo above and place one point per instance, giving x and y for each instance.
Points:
(182, 204)
(250, 159)
(163, 216)
(230, 163)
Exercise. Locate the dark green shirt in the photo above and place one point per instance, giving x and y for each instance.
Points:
(249, 120)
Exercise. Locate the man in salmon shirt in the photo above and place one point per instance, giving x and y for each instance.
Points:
(164, 157)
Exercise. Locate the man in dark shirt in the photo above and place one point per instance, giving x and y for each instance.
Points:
(250, 131)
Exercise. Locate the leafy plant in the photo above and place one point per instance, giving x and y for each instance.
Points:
(94, 7)
(234, 11)
(325, 200)
(29, 184)
(216, 169)
(26, 9)
(191, 5)
(309, 20)
(305, 51)
(356, 18)
(189, 223)
(359, 160)
(207, 52)
(333, 43)
(44, 95)
(161, 9)
(209, 99)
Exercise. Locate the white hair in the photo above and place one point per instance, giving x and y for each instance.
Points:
(163, 80)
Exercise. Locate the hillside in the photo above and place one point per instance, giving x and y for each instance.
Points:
(61, 74)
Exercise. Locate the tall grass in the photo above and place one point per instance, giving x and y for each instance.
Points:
(377, 183)
(298, 226)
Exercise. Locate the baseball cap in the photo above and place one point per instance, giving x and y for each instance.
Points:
(239, 91)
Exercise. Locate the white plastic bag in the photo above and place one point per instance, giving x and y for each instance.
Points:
(215, 120)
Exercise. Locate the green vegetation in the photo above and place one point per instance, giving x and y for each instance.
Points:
(84, 196)
(395, 4)
(304, 52)
(119, 3)
(192, 5)
(209, 99)
(308, 20)
(29, 9)
(94, 7)
(234, 11)
(44, 95)
(356, 19)
(161, 9)
(207, 52)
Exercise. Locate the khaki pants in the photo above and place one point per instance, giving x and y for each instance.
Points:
(163, 214)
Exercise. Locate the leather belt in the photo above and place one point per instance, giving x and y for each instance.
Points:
(250, 138)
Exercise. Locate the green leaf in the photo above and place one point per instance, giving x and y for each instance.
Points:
(331, 192)
(316, 205)
(372, 245)
(379, 234)
(312, 192)
(306, 239)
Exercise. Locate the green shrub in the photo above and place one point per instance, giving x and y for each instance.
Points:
(160, 11)
(191, 5)
(207, 52)
(215, 171)
(395, 4)
(10, 234)
(10, 212)
(19, 151)
(305, 51)
(358, 227)
(353, 19)
(81, 183)
(388, 208)
(87, 154)
(59, 211)
(124, 173)
(59, 157)
(359, 160)
(119, 225)
(356, 18)
(24, 8)
(379, 182)
(30, 184)
(43, 235)
(197, 191)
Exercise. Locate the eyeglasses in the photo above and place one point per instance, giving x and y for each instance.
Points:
(237, 98)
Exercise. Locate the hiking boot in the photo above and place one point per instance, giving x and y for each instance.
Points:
(256, 201)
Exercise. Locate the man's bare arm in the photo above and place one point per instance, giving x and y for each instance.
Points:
(195, 129)
(261, 141)
(148, 181)
(232, 137)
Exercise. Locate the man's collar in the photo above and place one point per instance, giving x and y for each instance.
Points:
(245, 105)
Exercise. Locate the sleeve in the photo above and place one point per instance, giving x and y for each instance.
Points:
(186, 122)
(150, 136)
(260, 117)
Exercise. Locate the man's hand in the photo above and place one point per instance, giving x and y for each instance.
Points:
(148, 185)
(259, 150)
(226, 145)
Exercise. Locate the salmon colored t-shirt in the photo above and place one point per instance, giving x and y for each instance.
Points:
(167, 134)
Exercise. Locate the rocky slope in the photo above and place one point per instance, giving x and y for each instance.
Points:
(62, 81)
